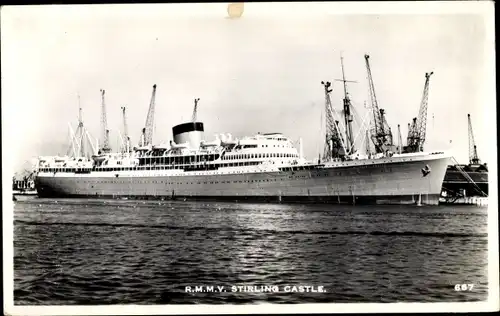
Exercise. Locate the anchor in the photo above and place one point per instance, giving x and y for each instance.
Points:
(426, 170)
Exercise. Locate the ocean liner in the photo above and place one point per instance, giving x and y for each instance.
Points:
(262, 167)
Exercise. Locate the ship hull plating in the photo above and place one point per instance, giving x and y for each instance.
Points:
(387, 181)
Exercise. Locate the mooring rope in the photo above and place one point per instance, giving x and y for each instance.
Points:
(467, 177)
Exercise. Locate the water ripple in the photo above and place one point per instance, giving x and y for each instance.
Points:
(130, 252)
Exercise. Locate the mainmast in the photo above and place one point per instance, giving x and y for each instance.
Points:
(348, 118)
(79, 147)
(80, 129)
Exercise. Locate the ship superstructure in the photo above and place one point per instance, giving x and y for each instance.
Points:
(266, 167)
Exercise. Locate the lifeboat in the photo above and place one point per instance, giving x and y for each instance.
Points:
(178, 146)
(229, 143)
(59, 159)
(143, 148)
(162, 147)
(214, 143)
(99, 158)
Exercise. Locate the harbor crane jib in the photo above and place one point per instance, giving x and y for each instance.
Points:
(381, 134)
(473, 156)
(334, 147)
(417, 131)
(104, 126)
(147, 131)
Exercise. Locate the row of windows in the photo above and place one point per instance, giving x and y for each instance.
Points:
(283, 146)
(153, 167)
(267, 155)
(78, 170)
(177, 159)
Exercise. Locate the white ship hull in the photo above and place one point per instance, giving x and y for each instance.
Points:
(395, 180)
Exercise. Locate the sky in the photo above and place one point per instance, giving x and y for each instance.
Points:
(258, 73)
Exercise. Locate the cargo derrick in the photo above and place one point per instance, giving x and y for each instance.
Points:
(417, 131)
(412, 134)
(367, 144)
(333, 140)
(381, 134)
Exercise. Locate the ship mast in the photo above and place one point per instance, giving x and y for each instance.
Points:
(78, 137)
(348, 118)
(80, 129)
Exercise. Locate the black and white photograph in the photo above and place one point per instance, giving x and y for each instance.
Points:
(256, 157)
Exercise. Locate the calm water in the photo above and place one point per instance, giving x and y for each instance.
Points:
(111, 252)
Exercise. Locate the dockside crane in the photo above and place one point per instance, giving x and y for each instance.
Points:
(147, 131)
(381, 134)
(195, 110)
(104, 126)
(125, 131)
(418, 129)
(473, 157)
(333, 140)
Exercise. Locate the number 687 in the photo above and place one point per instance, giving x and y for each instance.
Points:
(464, 287)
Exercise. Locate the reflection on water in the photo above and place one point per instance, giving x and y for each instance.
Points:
(147, 252)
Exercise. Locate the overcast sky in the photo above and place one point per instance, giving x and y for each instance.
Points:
(259, 73)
